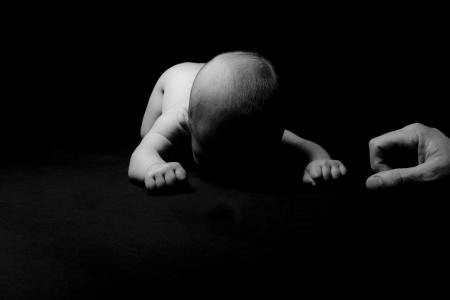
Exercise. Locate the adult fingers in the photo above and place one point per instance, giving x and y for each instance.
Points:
(394, 177)
(406, 137)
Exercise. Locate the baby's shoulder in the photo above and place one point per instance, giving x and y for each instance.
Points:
(181, 71)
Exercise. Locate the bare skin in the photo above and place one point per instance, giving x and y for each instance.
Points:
(165, 125)
(433, 156)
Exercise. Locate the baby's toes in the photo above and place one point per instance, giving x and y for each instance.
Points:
(326, 172)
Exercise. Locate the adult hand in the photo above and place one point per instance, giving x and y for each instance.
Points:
(433, 156)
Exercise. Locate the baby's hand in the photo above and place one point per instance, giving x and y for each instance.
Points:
(164, 175)
(323, 169)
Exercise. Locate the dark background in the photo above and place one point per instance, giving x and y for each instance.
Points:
(75, 86)
(84, 78)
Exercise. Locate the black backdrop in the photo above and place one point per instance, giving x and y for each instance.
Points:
(81, 80)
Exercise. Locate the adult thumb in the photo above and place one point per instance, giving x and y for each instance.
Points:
(394, 177)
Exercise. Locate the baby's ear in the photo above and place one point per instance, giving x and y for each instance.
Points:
(183, 120)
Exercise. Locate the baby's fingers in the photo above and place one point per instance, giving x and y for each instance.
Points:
(170, 177)
(338, 169)
(150, 182)
(326, 172)
(159, 180)
(335, 172)
(180, 173)
(343, 169)
(315, 171)
(307, 179)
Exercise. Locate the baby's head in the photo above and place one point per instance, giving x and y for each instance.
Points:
(234, 111)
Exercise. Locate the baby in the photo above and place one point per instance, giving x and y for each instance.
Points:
(229, 110)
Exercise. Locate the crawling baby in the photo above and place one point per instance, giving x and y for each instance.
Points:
(229, 110)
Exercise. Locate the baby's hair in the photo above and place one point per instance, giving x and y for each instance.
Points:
(248, 84)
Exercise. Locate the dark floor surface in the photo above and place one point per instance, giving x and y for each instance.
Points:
(73, 226)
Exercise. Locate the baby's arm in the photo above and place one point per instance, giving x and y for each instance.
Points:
(146, 164)
(310, 149)
(320, 163)
(154, 106)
